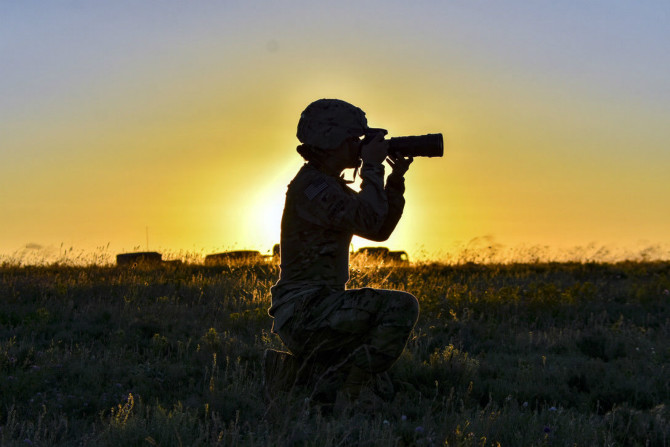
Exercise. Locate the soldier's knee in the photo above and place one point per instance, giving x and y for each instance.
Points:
(406, 306)
(412, 305)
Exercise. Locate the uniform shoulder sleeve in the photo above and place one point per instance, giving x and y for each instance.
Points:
(323, 200)
(320, 199)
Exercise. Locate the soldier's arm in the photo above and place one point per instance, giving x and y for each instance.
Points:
(395, 188)
(332, 205)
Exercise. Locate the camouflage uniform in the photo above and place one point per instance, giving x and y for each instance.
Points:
(314, 314)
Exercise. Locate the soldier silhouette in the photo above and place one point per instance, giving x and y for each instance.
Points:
(341, 341)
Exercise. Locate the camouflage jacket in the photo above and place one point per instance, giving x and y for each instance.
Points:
(321, 215)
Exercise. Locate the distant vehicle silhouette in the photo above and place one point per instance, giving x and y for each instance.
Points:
(399, 256)
(231, 257)
(139, 258)
(383, 254)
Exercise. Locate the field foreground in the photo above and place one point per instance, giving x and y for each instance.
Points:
(512, 355)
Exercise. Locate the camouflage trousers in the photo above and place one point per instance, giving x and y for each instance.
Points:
(367, 328)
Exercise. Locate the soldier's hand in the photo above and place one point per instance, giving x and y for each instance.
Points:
(376, 150)
(400, 165)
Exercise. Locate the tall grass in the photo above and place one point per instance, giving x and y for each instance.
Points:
(503, 354)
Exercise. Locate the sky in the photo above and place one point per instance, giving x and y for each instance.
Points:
(170, 125)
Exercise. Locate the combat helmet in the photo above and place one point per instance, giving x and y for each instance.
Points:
(326, 123)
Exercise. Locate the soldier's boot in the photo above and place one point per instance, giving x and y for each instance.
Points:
(365, 392)
(280, 374)
(383, 386)
(323, 382)
(355, 381)
(349, 394)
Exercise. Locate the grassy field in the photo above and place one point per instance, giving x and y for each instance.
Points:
(556, 354)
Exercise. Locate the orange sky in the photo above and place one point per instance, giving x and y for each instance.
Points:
(118, 118)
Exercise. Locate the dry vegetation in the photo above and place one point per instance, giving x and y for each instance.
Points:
(515, 355)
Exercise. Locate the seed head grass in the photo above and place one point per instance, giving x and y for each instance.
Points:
(534, 354)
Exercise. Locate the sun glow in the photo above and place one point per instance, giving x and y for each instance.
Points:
(255, 220)
(263, 223)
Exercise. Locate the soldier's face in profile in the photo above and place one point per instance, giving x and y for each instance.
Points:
(353, 152)
(347, 155)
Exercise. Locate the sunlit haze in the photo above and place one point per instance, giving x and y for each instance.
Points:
(170, 126)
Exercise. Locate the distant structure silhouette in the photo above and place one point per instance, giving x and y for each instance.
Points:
(383, 254)
(235, 256)
(139, 258)
(340, 340)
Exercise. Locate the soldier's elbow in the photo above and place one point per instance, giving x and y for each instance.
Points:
(380, 236)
